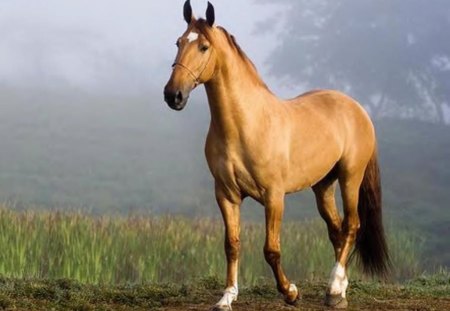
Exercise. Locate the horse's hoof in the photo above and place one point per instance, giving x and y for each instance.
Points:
(293, 302)
(221, 308)
(336, 301)
(293, 297)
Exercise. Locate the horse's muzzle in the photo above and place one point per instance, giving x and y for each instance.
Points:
(176, 99)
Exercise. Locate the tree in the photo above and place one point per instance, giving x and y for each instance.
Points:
(392, 55)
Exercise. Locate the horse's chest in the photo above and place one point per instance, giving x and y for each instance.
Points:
(232, 173)
(245, 180)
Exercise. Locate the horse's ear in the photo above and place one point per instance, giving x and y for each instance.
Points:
(210, 15)
(187, 12)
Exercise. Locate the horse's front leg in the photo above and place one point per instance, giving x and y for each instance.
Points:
(274, 207)
(230, 208)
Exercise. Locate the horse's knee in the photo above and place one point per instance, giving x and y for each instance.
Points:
(272, 256)
(232, 247)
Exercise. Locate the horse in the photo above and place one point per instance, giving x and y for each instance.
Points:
(263, 147)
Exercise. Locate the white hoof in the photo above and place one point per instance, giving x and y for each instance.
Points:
(229, 296)
(336, 301)
(292, 297)
(338, 281)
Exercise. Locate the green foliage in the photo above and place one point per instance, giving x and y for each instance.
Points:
(117, 250)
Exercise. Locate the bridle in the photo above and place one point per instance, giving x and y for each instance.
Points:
(196, 81)
(191, 73)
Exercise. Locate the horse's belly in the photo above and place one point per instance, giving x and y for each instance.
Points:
(306, 171)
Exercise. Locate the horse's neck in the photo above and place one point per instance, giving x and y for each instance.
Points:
(236, 101)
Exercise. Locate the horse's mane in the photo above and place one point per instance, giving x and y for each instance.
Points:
(205, 30)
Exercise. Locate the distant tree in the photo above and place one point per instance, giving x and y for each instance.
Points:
(392, 55)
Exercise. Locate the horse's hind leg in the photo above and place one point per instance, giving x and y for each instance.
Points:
(274, 207)
(230, 209)
(326, 204)
(349, 182)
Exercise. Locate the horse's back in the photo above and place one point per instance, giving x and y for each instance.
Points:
(327, 102)
(333, 110)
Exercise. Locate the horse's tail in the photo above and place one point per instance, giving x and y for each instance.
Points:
(371, 246)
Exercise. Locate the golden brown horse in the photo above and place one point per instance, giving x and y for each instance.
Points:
(264, 147)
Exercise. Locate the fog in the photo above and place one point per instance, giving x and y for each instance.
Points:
(83, 124)
(112, 46)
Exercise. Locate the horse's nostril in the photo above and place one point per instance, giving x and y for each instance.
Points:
(169, 97)
(176, 99)
(179, 97)
(173, 97)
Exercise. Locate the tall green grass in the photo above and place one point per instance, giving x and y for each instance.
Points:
(113, 250)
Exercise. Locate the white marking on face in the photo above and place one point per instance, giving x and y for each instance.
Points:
(192, 36)
(338, 281)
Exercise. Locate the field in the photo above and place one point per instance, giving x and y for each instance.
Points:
(118, 250)
(73, 261)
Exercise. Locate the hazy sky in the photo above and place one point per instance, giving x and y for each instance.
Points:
(105, 44)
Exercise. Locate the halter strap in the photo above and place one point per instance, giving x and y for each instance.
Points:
(188, 70)
(191, 73)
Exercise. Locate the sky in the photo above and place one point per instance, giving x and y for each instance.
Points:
(110, 45)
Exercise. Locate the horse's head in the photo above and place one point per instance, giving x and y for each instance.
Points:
(196, 59)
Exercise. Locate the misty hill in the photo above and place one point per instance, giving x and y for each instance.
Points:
(65, 149)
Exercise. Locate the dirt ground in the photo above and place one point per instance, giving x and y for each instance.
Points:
(248, 304)
(420, 295)
(361, 296)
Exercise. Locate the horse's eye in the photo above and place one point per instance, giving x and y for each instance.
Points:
(177, 43)
(204, 48)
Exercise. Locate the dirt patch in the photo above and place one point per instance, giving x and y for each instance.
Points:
(315, 303)
(421, 295)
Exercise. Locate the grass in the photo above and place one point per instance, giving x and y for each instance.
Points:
(72, 261)
(138, 250)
